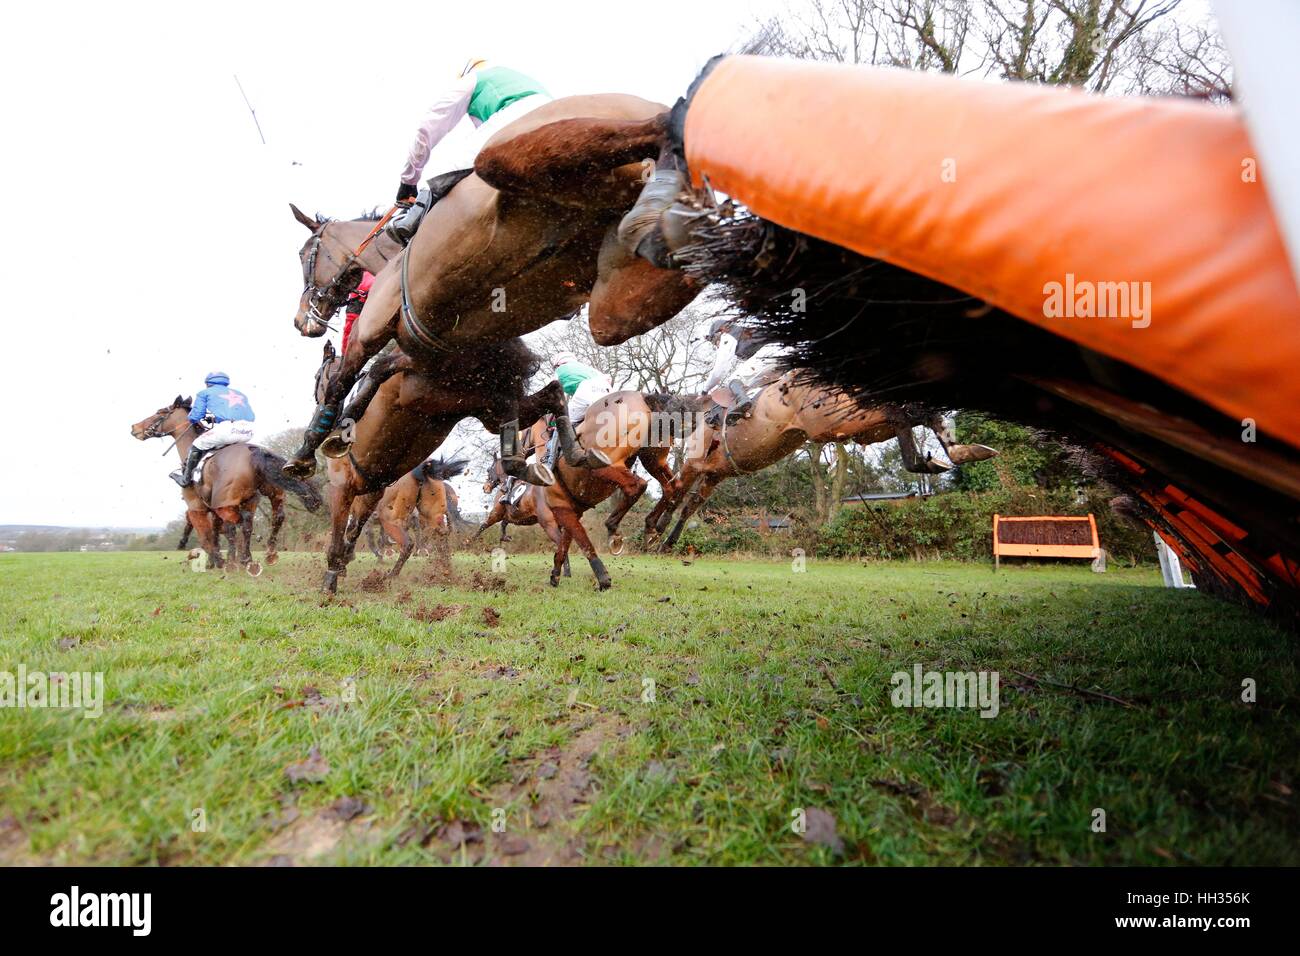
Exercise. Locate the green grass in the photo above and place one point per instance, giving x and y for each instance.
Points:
(772, 693)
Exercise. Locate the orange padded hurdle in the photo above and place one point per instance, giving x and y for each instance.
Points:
(1045, 536)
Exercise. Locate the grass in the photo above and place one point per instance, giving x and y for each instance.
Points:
(771, 693)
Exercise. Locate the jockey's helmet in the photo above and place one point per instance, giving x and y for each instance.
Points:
(562, 358)
(472, 64)
(217, 378)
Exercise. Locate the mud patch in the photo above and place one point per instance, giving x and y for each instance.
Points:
(375, 582)
(489, 583)
(544, 796)
(491, 616)
(309, 839)
(439, 612)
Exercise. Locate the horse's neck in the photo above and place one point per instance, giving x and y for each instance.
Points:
(376, 254)
(184, 441)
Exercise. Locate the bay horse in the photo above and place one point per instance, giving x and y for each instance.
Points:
(409, 413)
(420, 499)
(626, 426)
(234, 478)
(529, 237)
(785, 416)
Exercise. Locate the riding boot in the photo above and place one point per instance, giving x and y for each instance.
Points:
(402, 229)
(186, 475)
(304, 459)
(743, 403)
(574, 453)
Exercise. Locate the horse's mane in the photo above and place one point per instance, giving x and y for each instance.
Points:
(371, 215)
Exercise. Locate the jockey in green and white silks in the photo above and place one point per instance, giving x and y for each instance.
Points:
(492, 97)
(582, 383)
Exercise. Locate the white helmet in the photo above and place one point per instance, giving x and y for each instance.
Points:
(562, 358)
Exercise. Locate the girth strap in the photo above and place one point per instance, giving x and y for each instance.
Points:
(409, 320)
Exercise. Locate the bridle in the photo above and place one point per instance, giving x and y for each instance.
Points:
(346, 276)
(155, 429)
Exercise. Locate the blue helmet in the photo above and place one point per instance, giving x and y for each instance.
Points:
(217, 378)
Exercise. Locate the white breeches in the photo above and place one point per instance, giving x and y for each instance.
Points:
(459, 151)
(588, 391)
(224, 433)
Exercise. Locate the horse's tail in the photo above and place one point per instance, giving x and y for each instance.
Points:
(453, 508)
(441, 469)
(268, 466)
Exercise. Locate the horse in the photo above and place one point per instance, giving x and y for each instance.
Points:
(409, 414)
(526, 238)
(786, 415)
(234, 478)
(419, 499)
(626, 426)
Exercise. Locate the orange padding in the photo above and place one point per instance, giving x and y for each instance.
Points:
(1048, 181)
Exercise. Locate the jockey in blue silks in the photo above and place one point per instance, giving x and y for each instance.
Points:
(227, 411)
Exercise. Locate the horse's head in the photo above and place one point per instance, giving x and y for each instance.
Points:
(168, 421)
(330, 272)
(329, 358)
(496, 475)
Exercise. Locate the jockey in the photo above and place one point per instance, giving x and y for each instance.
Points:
(229, 411)
(583, 384)
(492, 97)
(741, 363)
(356, 302)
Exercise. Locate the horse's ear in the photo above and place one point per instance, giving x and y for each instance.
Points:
(328, 352)
(187, 402)
(177, 401)
(303, 218)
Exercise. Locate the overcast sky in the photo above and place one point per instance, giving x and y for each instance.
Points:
(148, 237)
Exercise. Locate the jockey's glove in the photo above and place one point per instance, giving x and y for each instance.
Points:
(406, 192)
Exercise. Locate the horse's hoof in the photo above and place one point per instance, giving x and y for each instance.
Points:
(254, 569)
(300, 468)
(555, 581)
(333, 446)
(331, 583)
(539, 474)
(605, 584)
(616, 543)
(272, 557)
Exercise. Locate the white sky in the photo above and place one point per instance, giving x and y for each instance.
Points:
(148, 236)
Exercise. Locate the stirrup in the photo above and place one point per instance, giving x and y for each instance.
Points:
(178, 476)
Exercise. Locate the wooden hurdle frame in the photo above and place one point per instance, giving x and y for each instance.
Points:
(1090, 551)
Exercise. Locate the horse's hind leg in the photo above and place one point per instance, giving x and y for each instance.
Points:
(401, 535)
(277, 522)
(698, 495)
(587, 162)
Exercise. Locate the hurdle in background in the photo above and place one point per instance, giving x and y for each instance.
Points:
(1045, 536)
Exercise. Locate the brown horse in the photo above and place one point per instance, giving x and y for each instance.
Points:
(529, 238)
(785, 416)
(419, 499)
(234, 478)
(409, 414)
(626, 427)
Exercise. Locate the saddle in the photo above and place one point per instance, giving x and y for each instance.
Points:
(402, 229)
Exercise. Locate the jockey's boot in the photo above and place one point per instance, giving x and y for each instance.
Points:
(639, 231)
(185, 476)
(574, 453)
(743, 403)
(402, 228)
(303, 464)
